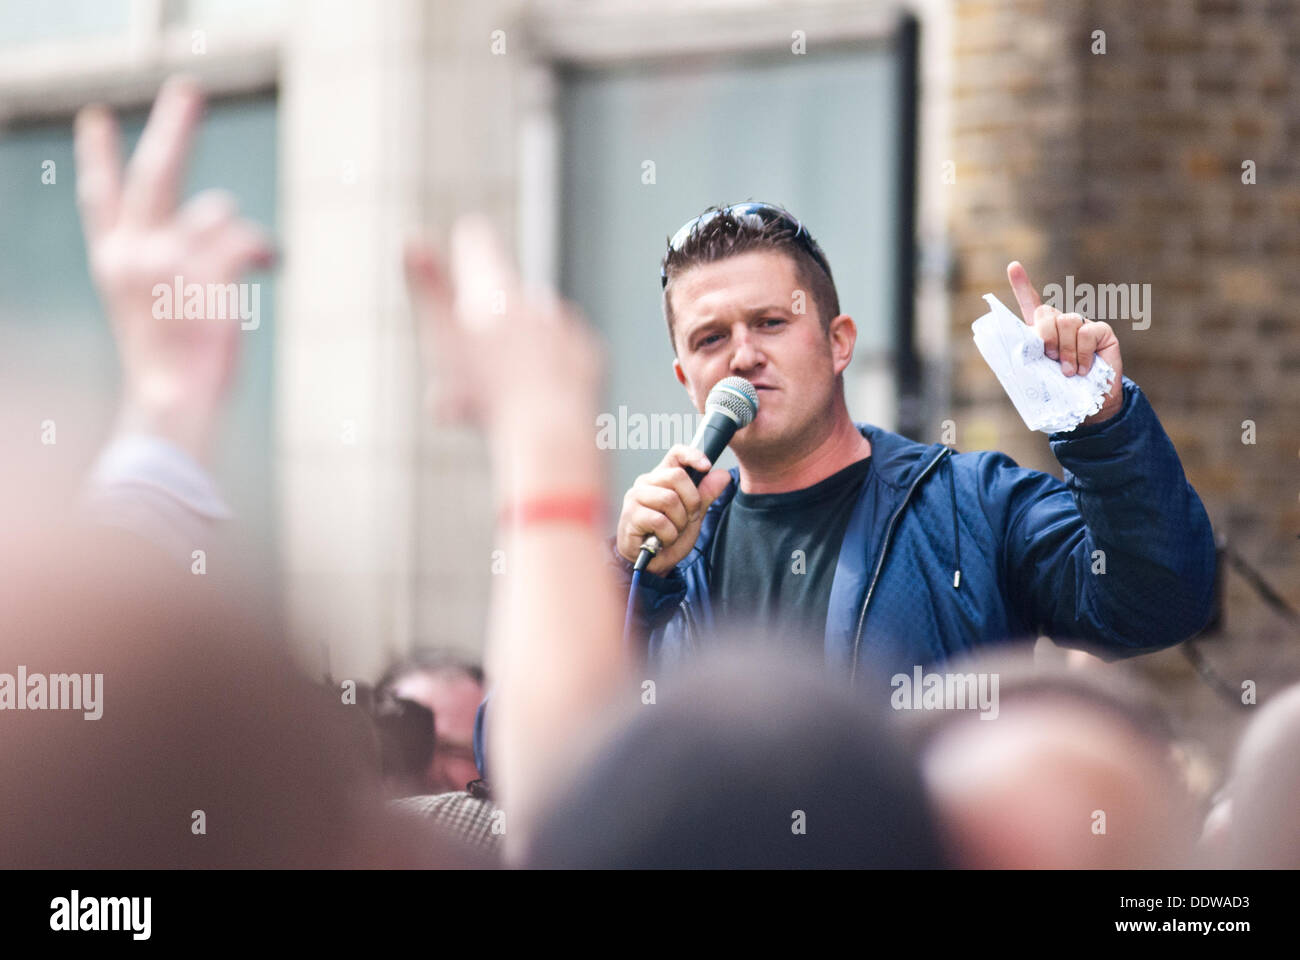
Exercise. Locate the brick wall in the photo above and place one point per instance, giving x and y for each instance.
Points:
(1126, 167)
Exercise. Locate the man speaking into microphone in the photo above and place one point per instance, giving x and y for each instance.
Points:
(873, 551)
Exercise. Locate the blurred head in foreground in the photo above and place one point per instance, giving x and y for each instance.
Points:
(208, 748)
(745, 759)
(1073, 771)
(1259, 811)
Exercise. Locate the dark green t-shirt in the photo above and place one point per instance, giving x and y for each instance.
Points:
(773, 558)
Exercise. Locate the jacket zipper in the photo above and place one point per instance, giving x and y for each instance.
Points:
(690, 624)
(880, 562)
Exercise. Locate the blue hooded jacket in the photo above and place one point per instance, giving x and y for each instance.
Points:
(947, 554)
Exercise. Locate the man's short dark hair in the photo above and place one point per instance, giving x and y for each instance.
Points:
(743, 746)
(718, 237)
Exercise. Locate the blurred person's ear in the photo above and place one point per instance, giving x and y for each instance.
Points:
(1216, 831)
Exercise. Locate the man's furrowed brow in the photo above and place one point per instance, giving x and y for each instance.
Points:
(725, 319)
(748, 313)
(778, 307)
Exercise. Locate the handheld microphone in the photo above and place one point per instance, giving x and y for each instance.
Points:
(732, 404)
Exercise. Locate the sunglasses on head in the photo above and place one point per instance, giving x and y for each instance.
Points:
(765, 213)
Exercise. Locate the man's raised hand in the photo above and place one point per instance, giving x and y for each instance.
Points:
(1070, 339)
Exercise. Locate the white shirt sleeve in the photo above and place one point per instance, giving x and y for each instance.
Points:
(150, 487)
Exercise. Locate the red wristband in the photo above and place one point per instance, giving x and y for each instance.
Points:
(587, 509)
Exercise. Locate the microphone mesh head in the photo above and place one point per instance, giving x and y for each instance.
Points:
(736, 397)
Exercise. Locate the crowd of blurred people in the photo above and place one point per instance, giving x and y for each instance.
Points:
(213, 749)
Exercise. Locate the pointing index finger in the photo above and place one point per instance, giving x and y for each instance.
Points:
(1025, 293)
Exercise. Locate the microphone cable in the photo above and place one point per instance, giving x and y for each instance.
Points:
(631, 608)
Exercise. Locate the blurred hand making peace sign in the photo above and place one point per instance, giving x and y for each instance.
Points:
(175, 370)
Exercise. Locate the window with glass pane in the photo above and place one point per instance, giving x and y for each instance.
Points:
(26, 23)
(56, 353)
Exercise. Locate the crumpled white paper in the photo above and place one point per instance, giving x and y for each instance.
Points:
(1046, 399)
